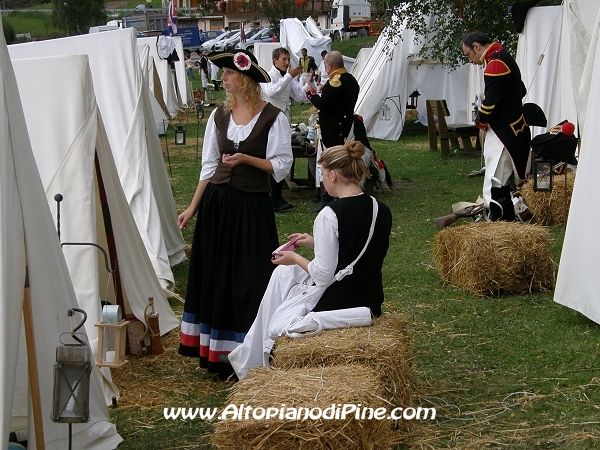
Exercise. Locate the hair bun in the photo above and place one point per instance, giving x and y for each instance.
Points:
(355, 149)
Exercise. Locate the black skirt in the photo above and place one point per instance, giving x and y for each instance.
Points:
(230, 267)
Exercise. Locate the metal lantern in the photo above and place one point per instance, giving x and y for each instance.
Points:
(384, 112)
(210, 92)
(542, 175)
(180, 135)
(414, 100)
(112, 338)
(71, 398)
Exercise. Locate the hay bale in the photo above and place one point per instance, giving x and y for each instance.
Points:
(495, 257)
(306, 388)
(550, 208)
(385, 346)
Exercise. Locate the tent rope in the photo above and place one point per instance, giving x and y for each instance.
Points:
(174, 295)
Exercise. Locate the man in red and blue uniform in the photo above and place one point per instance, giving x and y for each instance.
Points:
(506, 148)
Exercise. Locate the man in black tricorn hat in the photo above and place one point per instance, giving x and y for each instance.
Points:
(501, 115)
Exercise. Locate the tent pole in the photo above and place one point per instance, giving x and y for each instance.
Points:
(110, 237)
(34, 379)
(110, 241)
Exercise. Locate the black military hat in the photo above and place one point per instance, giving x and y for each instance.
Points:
(242, 61)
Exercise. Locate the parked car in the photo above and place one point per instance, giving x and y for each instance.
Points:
(229, 43)
(209, 46)
(208, 35)
(143, 7)
(263, 35)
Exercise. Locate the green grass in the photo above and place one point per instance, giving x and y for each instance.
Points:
(351, 47)
(512, 371)
(37, 24)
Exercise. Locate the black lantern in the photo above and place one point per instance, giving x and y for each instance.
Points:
(414, 100)
(180, 135)
(542, 175)
(72, 378)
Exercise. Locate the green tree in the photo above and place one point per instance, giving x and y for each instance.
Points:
(453, 18)
(76, 16)
(275, 10)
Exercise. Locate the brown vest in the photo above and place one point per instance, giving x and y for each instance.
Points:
(245, 177)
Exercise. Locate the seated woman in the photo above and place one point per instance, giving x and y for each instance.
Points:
(341, 232)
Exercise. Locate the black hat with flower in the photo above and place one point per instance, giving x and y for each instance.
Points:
(242, 61)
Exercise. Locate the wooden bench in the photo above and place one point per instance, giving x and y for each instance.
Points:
(297, 184)
(438, 109)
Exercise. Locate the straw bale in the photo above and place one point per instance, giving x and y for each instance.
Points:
(550, 208)
(306, 388)
(495, 257)
(385, 346)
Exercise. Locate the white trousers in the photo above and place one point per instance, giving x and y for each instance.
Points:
(499, 166)
(204, 78)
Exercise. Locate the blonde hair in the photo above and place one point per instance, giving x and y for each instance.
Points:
(347, 159)
(251, 91)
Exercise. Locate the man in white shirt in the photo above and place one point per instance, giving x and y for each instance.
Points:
(283, 85)
(323, 77)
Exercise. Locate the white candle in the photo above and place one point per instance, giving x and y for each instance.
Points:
(110, 357)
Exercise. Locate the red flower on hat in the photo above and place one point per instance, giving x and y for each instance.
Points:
(241, 61)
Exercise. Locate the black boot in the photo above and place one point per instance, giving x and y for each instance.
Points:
(316, 198)
(501, 206)
(326, 199)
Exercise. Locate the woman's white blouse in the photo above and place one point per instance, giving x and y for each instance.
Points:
(279, 146)
(325, 231)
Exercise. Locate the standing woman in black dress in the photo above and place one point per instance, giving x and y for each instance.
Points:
(246, 141)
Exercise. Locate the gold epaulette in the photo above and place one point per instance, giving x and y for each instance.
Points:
(335, 81)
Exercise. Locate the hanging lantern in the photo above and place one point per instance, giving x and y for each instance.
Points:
(112, 338)
(414, 100)
(72, 378)
(542, 175)
(180, 135)
(384, 112)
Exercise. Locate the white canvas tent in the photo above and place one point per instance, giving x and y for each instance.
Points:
(123, 100)
(167, 81)
(159, 108)
(295, 37)
(29, 248)
(361, 59)
(264, 53)
(182, 81)
(578, 281)
(388, 77)
(67, 137)
(566, 84)
(540, 55)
